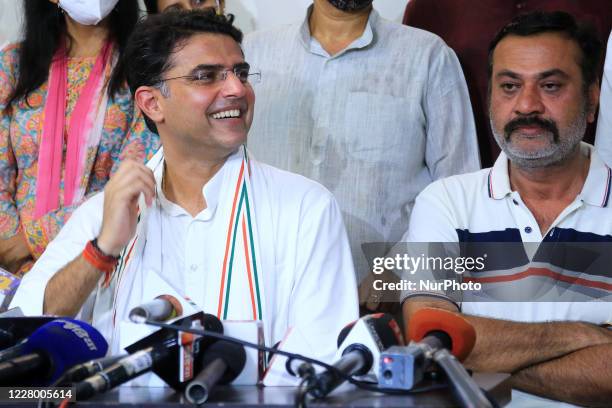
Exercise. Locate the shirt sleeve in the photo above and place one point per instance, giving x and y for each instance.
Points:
(603, 139)
(324, 296)
(452, 147)
(83, 226)
(9, 218)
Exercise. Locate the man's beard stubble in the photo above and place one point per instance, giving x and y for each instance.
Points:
(561, 145)
(350, 5)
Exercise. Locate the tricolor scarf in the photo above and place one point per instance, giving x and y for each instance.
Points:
(84, 132)
(240, 288)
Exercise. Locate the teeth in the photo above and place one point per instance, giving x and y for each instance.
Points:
(233, 113)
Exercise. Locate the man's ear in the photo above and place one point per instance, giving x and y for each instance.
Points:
(593, 95)
(146, 97)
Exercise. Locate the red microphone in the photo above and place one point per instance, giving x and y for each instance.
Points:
(440, 339)
(453, 331)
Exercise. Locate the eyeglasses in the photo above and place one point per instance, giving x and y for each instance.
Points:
(213, 74)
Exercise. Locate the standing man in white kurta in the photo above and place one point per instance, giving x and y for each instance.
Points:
(241, 239)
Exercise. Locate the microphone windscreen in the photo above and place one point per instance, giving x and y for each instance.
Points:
(386, 328)
(383, 326)
(461, 332)
(176, 305)
(212, 323)
(345, 332)
(66, 342)
(232, 354)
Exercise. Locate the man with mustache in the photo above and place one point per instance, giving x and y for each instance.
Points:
(371, 109)
(547, 188)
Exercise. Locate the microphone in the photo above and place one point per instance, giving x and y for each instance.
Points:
(51, 350)
(360, 344)
(161, 308)
(435, 333)
(158, 352)
(14, 329)
(223, 362)
(84, 370)
(172, 369)
(125, 369)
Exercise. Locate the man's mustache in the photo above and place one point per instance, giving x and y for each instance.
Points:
(545, 124)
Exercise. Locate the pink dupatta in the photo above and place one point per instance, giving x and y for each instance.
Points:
(82, 131)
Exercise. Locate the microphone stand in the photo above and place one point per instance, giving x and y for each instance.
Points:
(465, 389)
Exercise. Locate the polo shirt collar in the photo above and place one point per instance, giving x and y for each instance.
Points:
(498, 181)
(312, 45)
(596, 189)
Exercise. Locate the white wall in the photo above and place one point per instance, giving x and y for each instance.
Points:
(250, 14)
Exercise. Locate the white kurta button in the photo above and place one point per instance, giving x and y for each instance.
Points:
(194, 267)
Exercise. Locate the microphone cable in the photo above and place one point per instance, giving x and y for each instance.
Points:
(305, 384)
(294, 356)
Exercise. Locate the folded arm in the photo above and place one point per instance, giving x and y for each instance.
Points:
(582, 377)
(506, 346)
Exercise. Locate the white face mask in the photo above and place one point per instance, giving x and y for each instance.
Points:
(88, 12)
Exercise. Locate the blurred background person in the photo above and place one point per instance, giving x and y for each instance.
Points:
(155, 6)
(468, 26)
(371, 109)
(61, 129)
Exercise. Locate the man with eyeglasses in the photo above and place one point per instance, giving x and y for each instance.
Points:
(156, 6)
(238, 238)
(371, 109)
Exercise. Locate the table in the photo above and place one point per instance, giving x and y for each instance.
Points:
(497, 385)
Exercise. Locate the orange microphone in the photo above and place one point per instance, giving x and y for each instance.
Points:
(439, 339)
(454, 332)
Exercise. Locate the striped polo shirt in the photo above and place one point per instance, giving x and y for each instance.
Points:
(563, 274)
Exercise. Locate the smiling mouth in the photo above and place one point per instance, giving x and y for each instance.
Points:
(227, 114)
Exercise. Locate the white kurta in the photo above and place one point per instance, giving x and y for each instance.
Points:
(307, 270)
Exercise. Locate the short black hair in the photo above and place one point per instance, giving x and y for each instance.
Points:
(43, 31)
(538, 22)
(151, 6)
(150, 47)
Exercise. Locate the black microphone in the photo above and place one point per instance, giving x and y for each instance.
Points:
(51, 350)
(126, 369)
(87, 369)
(223, 361)
(160, 309)
(158, 352)
(15, 330)
(361, 345)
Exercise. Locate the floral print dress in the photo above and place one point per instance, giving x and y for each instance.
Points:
(124, 135)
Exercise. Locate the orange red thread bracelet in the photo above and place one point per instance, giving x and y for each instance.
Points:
(98, 259)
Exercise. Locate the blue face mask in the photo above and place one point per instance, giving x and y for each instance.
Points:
(350, 5)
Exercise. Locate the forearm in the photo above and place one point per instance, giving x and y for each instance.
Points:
(582, 377)
(505, 346)
(68, 289)
(13, 252)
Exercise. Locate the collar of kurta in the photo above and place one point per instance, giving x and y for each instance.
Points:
(313, 46)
